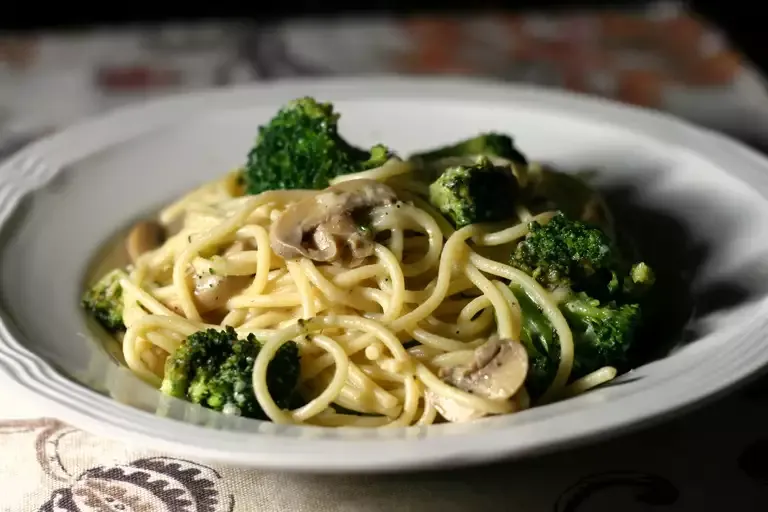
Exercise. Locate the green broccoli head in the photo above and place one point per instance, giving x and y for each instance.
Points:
(602, 333)
(569, 253)
(476, 193)
(485, 144)
(104, 301)
(214, 369)
(300, 148)
(596, 290)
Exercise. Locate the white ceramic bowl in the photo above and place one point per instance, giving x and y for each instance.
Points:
(63, 197)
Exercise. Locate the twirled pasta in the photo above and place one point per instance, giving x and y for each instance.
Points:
(372, 337)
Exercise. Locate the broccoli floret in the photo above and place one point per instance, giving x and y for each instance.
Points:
(568, 253)
(595, 292)
(602, 336)
(485, 144)
(602, 333)
(641, 279)
(300, 148)
(104, 301)
(477, 193)
(214, 369)
(377, 157)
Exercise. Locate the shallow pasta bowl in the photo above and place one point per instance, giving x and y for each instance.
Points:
(65, 196)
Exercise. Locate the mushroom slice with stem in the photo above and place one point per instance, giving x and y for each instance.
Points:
(143, 237)
(324, 227)
(497, 372)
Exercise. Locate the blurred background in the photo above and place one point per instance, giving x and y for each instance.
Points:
(699, 61)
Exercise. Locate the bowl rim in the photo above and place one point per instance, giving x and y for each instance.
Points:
(35, 165)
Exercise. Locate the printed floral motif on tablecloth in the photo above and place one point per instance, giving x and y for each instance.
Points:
(78, 472)
(151, 484)
(170, 484)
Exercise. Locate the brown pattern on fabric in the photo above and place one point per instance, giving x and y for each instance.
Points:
(149, 484)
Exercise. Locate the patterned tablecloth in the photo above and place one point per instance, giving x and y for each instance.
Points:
(714, 459)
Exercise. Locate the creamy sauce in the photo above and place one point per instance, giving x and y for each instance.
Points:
(110, 256)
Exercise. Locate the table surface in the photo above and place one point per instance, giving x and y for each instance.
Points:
(713, 459)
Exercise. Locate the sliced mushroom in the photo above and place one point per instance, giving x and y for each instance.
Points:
(322, 227)
(339, 228)
(452, 410)
(213, 291)
(143, 237)
(498, 372)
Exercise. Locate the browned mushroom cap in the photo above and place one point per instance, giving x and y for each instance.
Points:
(143, 237)
(322, 227)
(498, 372)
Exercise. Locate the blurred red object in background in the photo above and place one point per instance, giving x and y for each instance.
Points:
(681, 37)
(131, 77)
(715, 70)
(18, 52)
(624, 28)
(640, 86)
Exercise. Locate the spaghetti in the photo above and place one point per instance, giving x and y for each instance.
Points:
(376, 336)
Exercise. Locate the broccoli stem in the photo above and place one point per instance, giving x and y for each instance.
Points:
(540, 341)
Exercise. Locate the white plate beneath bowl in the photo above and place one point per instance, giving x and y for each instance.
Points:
(63, 197)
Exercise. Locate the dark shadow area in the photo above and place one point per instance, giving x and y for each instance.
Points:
(671, 249)
(752, 461)
(757, 391)
(681, 300)
(677, 233)
(276, 11)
